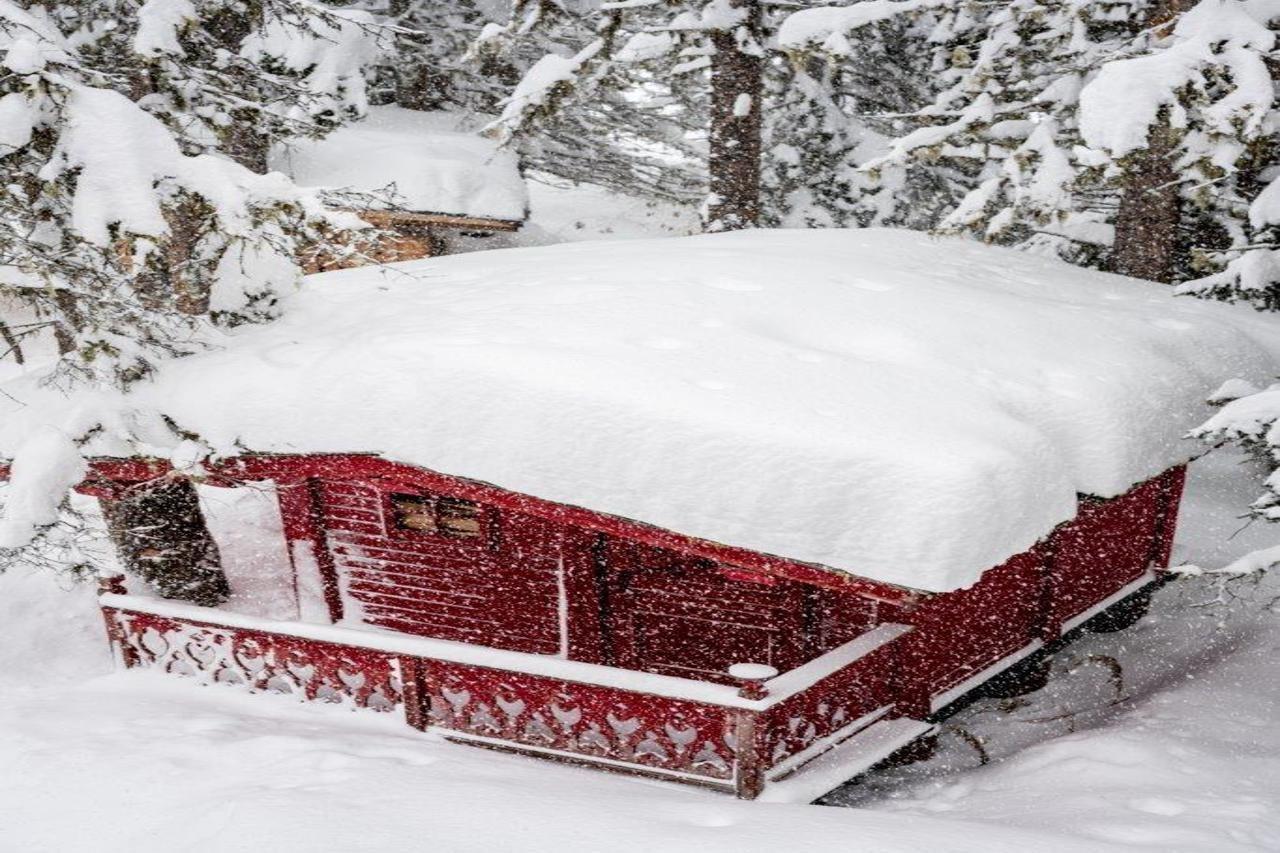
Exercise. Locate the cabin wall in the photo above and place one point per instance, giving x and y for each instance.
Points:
(959, 633)
(499, 589)
(533, 585)
(1108, 545)
(670, 613)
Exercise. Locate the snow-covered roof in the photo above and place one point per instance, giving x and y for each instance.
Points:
(904, 408)
(436, 163)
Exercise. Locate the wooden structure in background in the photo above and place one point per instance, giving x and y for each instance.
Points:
(415, 235)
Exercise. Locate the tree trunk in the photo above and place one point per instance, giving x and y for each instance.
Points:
(184, 218)
(1147, 222)
(241, 140)
(160, 535)
(244, 144)
(1146, 241)
(734, 166)
(420, 88)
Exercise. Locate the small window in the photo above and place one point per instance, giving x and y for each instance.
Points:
(457, 517)
(452, 517)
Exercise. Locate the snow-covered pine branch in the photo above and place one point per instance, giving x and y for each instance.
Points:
(237, 77)
(1038, 127)
(660, 82)
(130, 250)
(586, 102)
(1250, 419)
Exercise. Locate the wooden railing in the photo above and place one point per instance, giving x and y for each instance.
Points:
(689, 731)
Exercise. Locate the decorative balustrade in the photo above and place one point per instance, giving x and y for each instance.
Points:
(585, 721)
(827, 708)
(261, 661)
(685, 730)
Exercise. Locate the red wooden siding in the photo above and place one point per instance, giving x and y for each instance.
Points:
(681, 615)
(499, 589)
(687, 616)
(796, 723)
(959, 633)
(1109, 544)
(625, 603)
(532, 583)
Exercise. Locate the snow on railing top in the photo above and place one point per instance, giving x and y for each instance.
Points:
(673, 687)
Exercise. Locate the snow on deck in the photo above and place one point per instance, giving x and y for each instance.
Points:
(904, 408)
(434, 162)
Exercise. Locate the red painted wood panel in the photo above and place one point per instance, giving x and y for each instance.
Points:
(959, 633)
(497, 589)
(680, 615)
(798, 722)
(355, 468)
(1107, 545)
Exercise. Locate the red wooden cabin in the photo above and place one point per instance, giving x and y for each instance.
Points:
(501, 619)
(889, 412)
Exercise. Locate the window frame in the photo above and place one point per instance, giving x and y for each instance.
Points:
(393, 514)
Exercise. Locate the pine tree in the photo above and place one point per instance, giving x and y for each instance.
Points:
(129, 250)
(599, 98)
(708, 70)
(1052, 130)
(1180, 123)
(431, 64)
(241, 75)
(989, 151)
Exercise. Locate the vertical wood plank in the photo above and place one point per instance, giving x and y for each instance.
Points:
(584, 597)
(1171, 486)
(301, 511)
(749, 775)
(411, 683)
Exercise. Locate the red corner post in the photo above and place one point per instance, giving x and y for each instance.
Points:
(747, 729)
(413, 685)
(114, 585)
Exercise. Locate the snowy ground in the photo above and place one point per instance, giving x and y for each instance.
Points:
(1176, 750)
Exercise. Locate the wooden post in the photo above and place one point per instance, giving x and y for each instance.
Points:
(748, 777)
(1170, 497)
(160, 533)
(734, 165)
(114, 584)
(415, 696)
(751, 677)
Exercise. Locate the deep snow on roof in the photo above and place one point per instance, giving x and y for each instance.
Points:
(909, 409)
(435, 163)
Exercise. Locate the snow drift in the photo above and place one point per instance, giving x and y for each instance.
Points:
(905, 408)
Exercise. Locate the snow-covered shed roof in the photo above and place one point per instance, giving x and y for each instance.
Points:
(436, 164)
(904, 408)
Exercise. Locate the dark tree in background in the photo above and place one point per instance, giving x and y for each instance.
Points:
(1148, 218)
(733, 163)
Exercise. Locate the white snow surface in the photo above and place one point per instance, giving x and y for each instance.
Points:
(435, 163)
(904, 408)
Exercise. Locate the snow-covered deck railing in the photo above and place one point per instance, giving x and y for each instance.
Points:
(654, 724)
